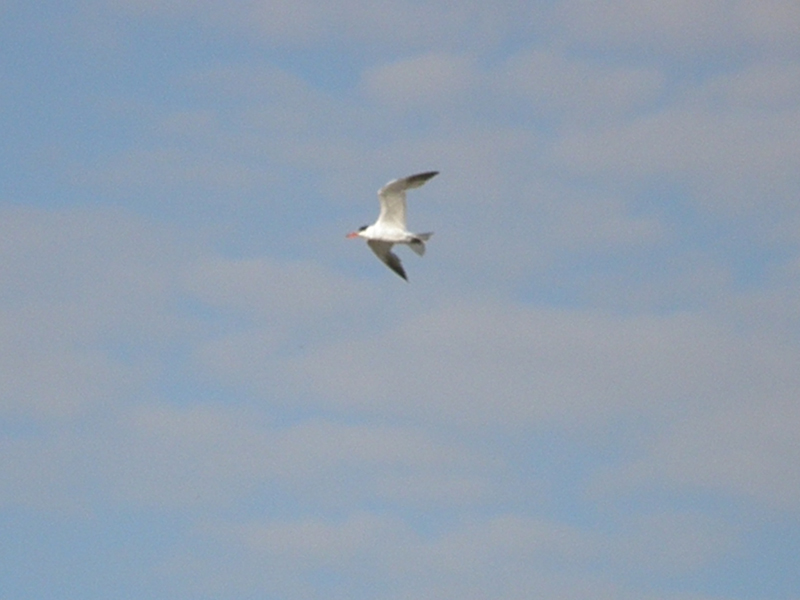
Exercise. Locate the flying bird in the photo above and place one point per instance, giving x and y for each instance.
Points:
(390, 228)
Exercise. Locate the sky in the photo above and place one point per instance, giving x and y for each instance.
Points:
(588, 389)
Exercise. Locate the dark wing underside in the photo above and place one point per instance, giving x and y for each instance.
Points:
(383, 250)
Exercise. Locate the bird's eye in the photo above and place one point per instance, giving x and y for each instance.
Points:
(363, 227)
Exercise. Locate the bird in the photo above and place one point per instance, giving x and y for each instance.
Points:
(390, 228)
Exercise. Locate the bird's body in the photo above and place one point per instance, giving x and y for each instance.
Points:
(390, 228)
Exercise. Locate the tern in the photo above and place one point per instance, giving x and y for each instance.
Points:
(390, 228)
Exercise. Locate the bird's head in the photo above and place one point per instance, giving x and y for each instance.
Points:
(355, 234)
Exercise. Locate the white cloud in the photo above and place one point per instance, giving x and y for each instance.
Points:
(772, 24)
(493, 366)
(748, 451)
(667, 543)
(738, 164)
(762, 87)
(577, 90)
(173, 169)
(54, 378)
(433, 80)
(80, 289)
(772, 310)
(273, 290)
(685, 24)
(385, 24)
(277, 308)
(506, 555)
(683, 28)
(212, 457)
(97, 279)
(379, 434)
(246, 132)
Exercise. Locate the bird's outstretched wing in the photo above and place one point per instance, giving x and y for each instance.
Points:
(383, 250)
(393, 198)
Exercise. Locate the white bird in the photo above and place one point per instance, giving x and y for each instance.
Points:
(390, 228)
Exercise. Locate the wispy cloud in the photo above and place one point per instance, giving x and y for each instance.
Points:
(587, 389)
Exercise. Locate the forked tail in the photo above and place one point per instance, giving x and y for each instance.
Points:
(417, 244)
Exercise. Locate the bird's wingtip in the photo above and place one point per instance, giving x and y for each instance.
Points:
(424, 176)
(414, 181)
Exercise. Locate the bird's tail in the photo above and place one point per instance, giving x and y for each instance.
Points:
(417, 244)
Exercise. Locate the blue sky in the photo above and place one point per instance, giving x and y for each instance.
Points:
(588, 388)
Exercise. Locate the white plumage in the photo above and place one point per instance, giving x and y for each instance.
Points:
(390, 228)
